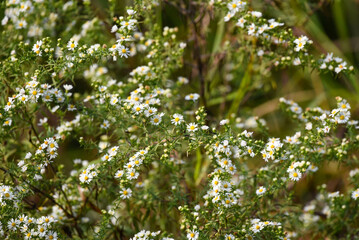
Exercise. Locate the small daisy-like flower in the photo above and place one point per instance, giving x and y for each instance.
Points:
(296, 62)
(342, 66)
(257, 227)
(224, 122)
(123, 51)
(313, 168)
(71, 107)
(21, 24)
(156, 119)
(241, 22)
(119, 174)
(106, 157)
(192, 235)
(261, 191)
(132, 174)
(295, 175)
(42, 229)
(355, 194)
(36, 48)
(85, 178)
(177, 119)
(12, 224)
(204, 128)
(51, 235)
(7, 122)
(114, 28)
(126, 193)
(114, 100)
(71, 45)
(192, 127)
(229, 237)
(344, 105)
(193, 96)
(183, 80)
(105, 124)
(137, 108)
(68, 87)
(301, 41)
(228, 16)
(150, 111)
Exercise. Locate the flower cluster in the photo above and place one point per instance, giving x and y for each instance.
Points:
(271, 32)
(258, 225)
(31, 228)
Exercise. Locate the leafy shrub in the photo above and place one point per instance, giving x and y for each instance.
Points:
(167, 159)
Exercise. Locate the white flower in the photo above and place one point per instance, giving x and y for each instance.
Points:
(177, 119)
(204, 127)
(183, 45)
(261, 191)
(257, 227)
(256, 14)
(7, 122)
(85, 178)
(296, 62)
(71, 45)
(192, 127)
(251, 29)
(224, 122)
(105, 124)
(123, 51)
(340, 67)
(183, 80)
(126, 193)
(192, 96)
(313, 168)
(21, 24)
(138, 108)
(295, 175)
(68, 87)
(228, 16)
(157, 119)
(301, 41)
(36, 48)
(241, 22)
(355, 194)
(192, 235)
(131, 12)
(150, 111)
(114, 28)
(234, 6)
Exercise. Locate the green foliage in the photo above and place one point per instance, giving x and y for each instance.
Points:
(139, 120)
